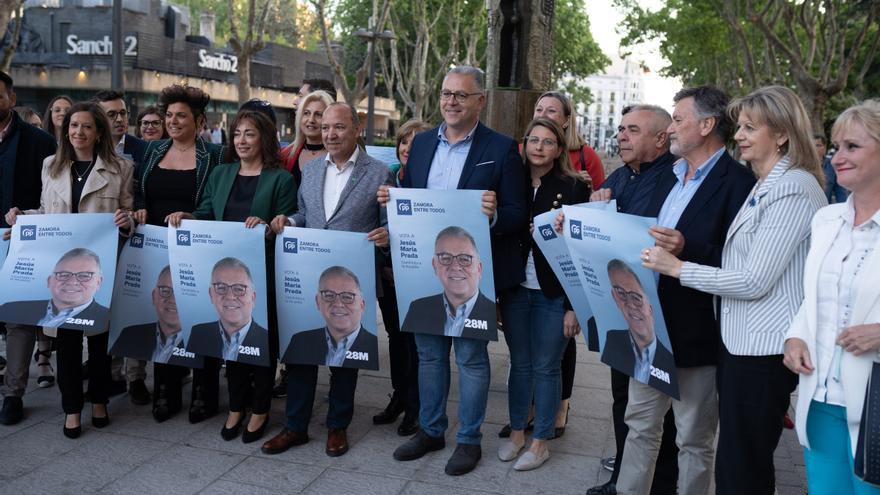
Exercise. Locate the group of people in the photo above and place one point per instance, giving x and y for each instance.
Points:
(761, 285)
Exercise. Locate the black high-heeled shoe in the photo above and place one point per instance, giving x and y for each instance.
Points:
(72, 432)
(230, 433)
(248, 436)
(100, 422)
(560, 430)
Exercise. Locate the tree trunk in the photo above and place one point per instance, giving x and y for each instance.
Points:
(9, 50)
(244, 77)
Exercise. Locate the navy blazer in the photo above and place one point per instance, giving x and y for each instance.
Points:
(689, 315)
(134, 147)
(493, 164)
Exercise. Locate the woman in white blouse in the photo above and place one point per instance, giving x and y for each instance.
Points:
(760, 284)
(833, 341)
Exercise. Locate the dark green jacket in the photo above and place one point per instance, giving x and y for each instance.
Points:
(208, 156)
(275, 195)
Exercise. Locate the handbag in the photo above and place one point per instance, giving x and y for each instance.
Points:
(867, 459)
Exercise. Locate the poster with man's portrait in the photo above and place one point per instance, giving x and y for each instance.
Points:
(144, 322)
(218, 274)
(325, 286)
(552, 246)
(60, 271)
(442, 259)
(605, 247)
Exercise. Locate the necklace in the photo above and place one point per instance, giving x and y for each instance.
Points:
(182, 150)
(79, 177)
(314, 147)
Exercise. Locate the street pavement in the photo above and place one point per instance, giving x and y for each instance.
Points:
(136, 455)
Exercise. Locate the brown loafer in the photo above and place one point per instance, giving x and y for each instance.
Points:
(284, 440)
(337, 442)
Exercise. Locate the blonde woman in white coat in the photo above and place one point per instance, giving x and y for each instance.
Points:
(834, 340)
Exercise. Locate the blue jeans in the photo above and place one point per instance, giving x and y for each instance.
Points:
(472, 359)
(533, 330)
(829, 459)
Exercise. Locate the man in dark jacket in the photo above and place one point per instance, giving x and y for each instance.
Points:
(23, 148)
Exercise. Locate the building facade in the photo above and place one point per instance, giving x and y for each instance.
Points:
(65, 48)
(621, 86)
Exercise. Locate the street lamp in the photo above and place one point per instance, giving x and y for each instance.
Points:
(371, 36)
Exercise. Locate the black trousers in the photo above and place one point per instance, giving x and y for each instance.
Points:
(206, 383)
(666, 469)
(402, 352)
(301, 382)
(249, 381)
(569, 360)
(69, 347)
(168, 382)
(753, 395)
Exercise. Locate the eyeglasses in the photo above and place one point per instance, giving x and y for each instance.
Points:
(635, 298)
(237, 289)
(331, 296)
(534, 140)
(81, 277)
(164, 291)
(151, 123)
(460, 96)
(463, 260)
(112, 114)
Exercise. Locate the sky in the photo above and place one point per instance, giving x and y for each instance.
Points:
(604, 19)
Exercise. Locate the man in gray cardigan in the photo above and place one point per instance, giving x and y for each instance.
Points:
(338, 192)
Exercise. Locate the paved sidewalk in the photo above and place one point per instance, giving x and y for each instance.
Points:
(136, 455)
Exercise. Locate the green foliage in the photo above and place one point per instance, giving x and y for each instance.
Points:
(577, 53)
(290, 22)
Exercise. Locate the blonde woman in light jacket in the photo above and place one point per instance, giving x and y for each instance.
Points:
(85, 176)
(759, 283)
(834, 340)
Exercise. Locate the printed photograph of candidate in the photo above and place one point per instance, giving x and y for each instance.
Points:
(235, 336)
(72, 286)
(343, 341)
(461, 310)
(156, 341)
(636, 351)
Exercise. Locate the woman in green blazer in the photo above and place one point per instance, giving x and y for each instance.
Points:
(251, 190)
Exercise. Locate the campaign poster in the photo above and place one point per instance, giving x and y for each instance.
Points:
(59, 271)
(144, 323)
(218, 272)
(325, 286)
(442, 259)
(4, 248)
(606, 248)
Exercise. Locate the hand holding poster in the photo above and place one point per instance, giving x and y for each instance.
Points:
(144, 323)
(442, 258)
(605, 247)
(60, 271)
(219, 282)
(326, 292)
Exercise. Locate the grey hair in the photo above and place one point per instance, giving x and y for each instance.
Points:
(230, 262)
(661, 117)
(339, 271)
(80, 253)
(710, 101)
(475, 72)
(617, 265)
(456, 231)
(354, 114)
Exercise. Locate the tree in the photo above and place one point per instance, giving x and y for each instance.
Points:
(818, 47)
(252, 42)
(352, 89)
(11, 30)
(577, 53)
(429, 39)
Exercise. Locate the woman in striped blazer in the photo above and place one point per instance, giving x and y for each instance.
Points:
(759, 283)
